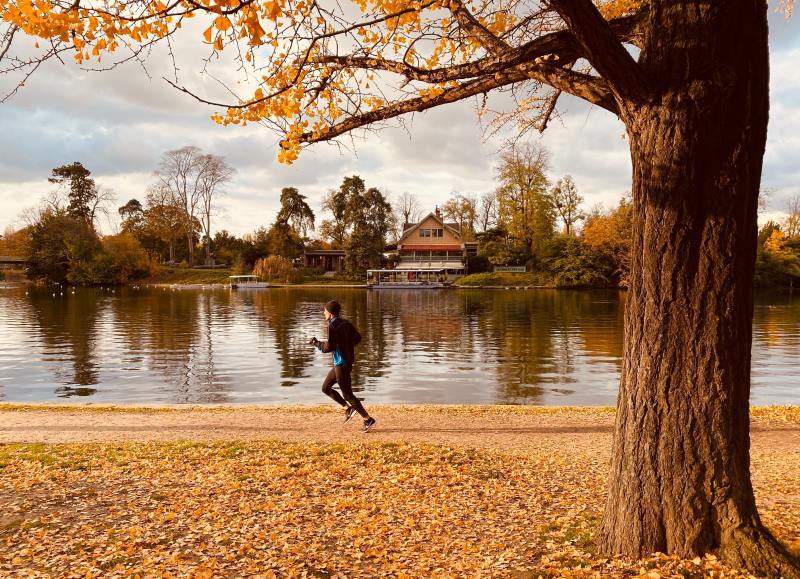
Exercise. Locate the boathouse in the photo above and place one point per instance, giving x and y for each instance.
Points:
(432, 244)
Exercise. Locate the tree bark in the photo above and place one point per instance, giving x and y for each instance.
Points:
(680, 473)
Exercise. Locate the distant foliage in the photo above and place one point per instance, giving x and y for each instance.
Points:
(565, 198)
(275, 267)
(524, 207)
(361, 221)
(129, 261)
(778, 257)
(462, 209)
(56, 239)
(573, 263)
(65, 249)
(610, 233)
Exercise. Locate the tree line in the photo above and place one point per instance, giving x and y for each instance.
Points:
(63, 243)
(528, 219)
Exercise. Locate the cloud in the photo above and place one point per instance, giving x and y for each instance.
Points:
(119, 123)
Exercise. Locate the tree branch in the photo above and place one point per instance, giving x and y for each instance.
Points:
(8, 38)
(582, 85)
(467, 22)
(603, 49)
(551, 106)
(590, 88)
(560, 44)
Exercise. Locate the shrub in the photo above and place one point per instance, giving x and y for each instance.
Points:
(129, 260)
(275, 267)
(573, 263)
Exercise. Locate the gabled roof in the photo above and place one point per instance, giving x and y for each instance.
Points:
(413, 226)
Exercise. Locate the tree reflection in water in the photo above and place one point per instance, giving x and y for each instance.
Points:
(446, 346)
(68, 332)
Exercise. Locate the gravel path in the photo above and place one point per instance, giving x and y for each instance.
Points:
(513, 428)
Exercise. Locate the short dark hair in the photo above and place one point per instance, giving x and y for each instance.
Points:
(333, 307)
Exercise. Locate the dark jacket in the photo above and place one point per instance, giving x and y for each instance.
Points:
(343, 335)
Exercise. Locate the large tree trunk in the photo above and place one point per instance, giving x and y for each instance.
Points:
(680, 473)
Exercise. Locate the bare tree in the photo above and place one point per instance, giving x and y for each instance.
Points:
(213, 172)
(104, 199)
(407, 209)
(567, 202)
(178, 172)
(791, 224)
(487, 211)
(53, 201)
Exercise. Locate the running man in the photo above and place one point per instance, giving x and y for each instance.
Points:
(342, 340)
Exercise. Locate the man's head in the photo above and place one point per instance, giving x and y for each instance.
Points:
(332, 309)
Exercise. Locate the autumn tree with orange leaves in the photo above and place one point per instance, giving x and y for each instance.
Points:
(688, 79)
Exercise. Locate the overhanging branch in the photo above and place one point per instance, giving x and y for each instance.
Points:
(603, 49)
(582, 85)
(472, 26)
(561, 46)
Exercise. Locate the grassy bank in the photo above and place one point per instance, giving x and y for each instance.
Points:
(506, 279)
(185, 275)
(238, 508)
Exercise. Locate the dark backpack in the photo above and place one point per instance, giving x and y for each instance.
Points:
(356, 336)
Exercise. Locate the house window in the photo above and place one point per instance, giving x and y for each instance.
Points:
(437, 232)
(424, 232)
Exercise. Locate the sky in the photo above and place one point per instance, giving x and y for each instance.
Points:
(119, 123)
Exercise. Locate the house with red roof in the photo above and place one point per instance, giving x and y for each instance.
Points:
(432, 244)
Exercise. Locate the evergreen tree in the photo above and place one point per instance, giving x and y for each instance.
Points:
(82, 191)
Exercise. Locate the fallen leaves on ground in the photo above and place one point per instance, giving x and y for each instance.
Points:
(277, 509)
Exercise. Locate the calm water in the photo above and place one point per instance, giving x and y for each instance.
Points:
(155, 345)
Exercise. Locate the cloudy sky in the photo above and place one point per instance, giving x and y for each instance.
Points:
(119, 123)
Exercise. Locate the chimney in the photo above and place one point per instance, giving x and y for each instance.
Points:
(437, 212)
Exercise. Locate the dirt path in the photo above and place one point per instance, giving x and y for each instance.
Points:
(507, 428)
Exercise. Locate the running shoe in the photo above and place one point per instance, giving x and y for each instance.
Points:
(368, 424)
(348, 413)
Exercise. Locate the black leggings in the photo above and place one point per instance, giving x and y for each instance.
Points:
(341, 375)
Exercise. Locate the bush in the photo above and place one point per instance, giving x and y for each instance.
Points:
(479, 279)
(275, 267)
(573, 263)
(129, 260)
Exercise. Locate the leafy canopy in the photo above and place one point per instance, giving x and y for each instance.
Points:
(316, 70)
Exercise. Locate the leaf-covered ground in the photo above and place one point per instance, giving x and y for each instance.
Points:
(504, 491)
(370, 509)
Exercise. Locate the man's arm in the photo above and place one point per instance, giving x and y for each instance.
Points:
(328, 345)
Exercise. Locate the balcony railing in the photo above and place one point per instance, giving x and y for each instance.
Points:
(416, 258)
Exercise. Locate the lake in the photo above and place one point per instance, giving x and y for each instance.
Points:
(163, 345)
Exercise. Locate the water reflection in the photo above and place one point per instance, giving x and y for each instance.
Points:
(465, 346)
(68, 334)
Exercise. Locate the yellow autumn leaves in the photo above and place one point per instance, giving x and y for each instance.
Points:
(285, 44)
(337, 510)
